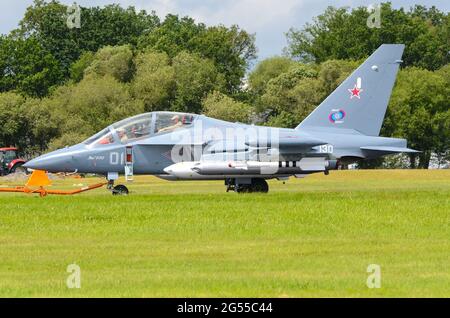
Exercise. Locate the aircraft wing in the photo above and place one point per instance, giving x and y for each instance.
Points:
(284, 142)
(287, 141)
(389, 149)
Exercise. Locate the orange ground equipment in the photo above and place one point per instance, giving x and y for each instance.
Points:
(39, 179)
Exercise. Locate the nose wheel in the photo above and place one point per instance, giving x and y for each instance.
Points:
(120, 189)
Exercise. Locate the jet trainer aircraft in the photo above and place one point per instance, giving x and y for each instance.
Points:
(180, 146)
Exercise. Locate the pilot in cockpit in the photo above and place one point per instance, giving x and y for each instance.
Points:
(176, 122)
(122, 135)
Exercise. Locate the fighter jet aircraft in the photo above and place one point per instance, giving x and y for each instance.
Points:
(181, 146)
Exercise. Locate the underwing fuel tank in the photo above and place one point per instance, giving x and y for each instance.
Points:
(189, 170)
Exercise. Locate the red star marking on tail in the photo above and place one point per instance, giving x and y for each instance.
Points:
(355, 91)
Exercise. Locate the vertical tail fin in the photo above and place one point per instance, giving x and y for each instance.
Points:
(360, 101)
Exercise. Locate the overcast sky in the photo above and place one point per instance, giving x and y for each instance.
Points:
(268, 19)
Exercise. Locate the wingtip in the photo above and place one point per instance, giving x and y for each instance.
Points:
(401, 45)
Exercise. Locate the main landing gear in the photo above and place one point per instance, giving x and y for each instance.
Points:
(247, 185)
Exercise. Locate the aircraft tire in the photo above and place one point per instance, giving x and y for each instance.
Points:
(243, 188)
(259, 185)
(120, 189)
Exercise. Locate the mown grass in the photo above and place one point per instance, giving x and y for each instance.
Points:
(307, 238)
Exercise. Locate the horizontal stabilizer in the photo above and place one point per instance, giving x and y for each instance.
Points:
(389, 149)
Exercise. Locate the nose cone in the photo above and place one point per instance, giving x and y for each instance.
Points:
(52, 164)
(62, 160)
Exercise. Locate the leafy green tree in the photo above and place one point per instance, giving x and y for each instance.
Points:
(42, 125)
(195, 77)
(333, 72)
(441, 136)
(417, 110)
(343, 34)
(221, 106)
(279, 97)
(266, 70)
(292, 95)
(27, 67)
(283, 119)
(78, 67)
(25, 123)
(116, 61)
(68, 138)
(441, 122)
(110, 25)
(231, 49)
(89, 106)
(13, 122)
(154, 80)
(173, 35)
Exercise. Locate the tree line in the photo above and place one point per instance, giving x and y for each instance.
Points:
(60, 85)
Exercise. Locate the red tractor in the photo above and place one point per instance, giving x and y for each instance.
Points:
(10, 162)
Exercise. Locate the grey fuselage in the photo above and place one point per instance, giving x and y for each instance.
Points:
(214, 141)
(177, 146)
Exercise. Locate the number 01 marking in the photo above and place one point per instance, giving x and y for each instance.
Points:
(115, 158)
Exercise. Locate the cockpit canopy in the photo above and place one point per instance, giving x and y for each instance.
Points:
(141, 126)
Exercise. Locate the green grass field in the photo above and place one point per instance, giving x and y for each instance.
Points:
(307, 238)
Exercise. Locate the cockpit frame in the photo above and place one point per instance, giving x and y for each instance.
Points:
(140, 127)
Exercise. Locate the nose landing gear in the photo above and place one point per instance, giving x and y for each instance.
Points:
(119, 189)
